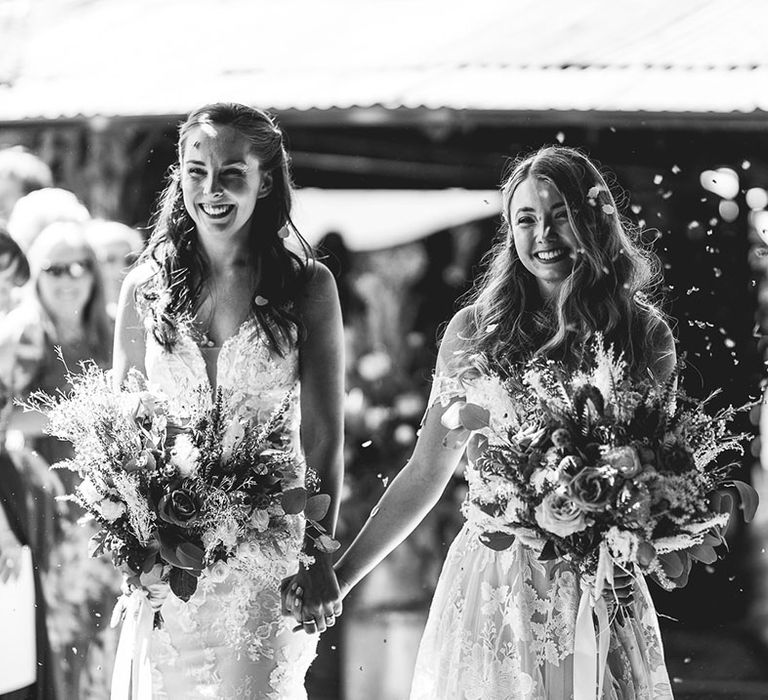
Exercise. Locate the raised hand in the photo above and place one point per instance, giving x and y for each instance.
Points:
(312, 596)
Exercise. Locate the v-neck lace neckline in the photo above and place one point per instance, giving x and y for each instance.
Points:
(213, 371)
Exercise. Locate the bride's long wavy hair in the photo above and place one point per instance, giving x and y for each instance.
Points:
(611, 288)
(174, 292)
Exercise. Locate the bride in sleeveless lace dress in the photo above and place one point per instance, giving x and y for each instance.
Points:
(219, 304)
(502, 625)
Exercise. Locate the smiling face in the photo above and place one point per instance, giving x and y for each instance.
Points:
(221, 181)
(542, 233)
(65, 279)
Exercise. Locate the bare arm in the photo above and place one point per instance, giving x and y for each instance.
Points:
(322, 437)
(322, 387)
(416, 489)
(129, 330)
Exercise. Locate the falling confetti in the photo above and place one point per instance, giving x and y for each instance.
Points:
(657, 179)
(692, 290)
(724, 182)
(608, 209)
(560, 137)
(718, 272)
(636, 208)
(676, 169)
(729, 210)
(367, 443)
(756, 198)
(745, 165)
(593, 192)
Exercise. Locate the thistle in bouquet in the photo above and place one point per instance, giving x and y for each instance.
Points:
(177, 501)
(610, 470)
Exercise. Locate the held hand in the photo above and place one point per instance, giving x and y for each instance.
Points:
(312, 597)
(623, 588)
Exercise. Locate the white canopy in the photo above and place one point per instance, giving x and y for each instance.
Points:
(373, 219)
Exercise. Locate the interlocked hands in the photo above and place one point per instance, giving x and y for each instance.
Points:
(312, 596)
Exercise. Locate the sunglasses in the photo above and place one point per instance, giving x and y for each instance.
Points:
(75, 270)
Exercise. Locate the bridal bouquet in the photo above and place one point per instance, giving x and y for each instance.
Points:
(600, 469)
(178, 503)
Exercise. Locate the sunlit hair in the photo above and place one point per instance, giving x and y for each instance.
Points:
(97, 325)
(41, 208)
(30, 171)
(610, 288)
(173, 294)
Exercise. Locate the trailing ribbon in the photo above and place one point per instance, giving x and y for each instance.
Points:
(132, 675)
(590, 654)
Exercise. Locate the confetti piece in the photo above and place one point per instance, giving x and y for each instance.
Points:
(260, 300)
(593, 192)
(367, 443)
(657, 179)
(756, 198)
(675, 169)
(724, 182)
(745, 165)
(608, 209)
(560, 137)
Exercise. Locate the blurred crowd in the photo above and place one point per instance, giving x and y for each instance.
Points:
(60, 277)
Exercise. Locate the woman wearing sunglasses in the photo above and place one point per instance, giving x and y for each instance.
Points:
(63, 308)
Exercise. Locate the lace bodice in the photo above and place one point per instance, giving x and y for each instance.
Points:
(254, 378)
(191, 658)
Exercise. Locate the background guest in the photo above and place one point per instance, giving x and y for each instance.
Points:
(21, 172)
(63, 308)
(116, 246)
(37, 210)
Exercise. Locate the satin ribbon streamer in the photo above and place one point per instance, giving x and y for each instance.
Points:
(590, 654)
(132, 675)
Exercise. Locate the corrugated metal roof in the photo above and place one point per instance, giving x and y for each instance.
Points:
(68, 58)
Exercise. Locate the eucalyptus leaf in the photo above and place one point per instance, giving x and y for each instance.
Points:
(498, 541)
(317, 506)
(474, 417)
(672, 563)
(749, 499)
(456, 438)
(703, 553)
(294, 500)
(326, 544)
(183, 584)
(190, 555)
